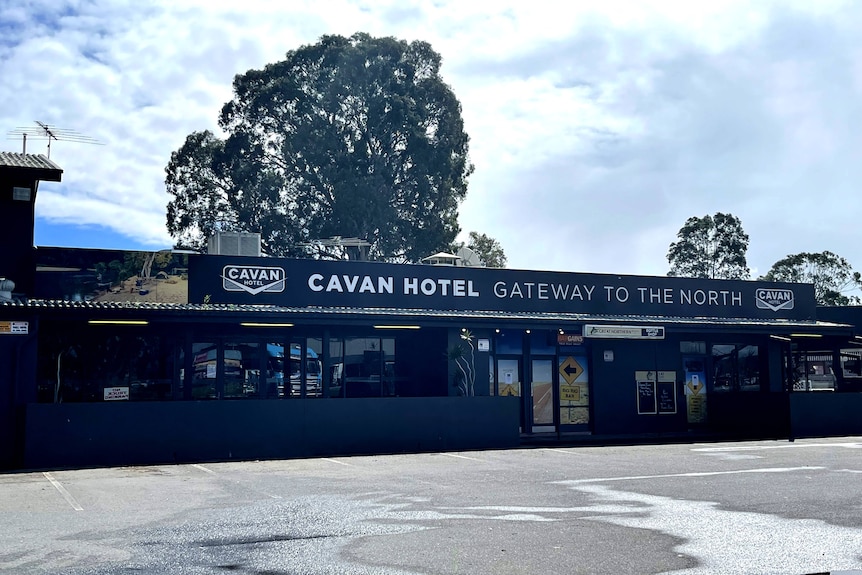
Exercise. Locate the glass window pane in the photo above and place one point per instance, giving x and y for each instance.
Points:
(723, 371)
(543, 404)
(387, 346)
(241, 369)
(313, 367)
(336, 367)
(509, 377)
(543, 342)
(509, 342)
(362, 367)
(204, 369)
(274, 370)
(749, 368)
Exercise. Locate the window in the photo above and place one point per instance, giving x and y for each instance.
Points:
(735, 367)
(87, 364)
(813, 371)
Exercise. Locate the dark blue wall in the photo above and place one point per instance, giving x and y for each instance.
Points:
(17, 386)
(101, 434)
(825, 413)
(614, 399)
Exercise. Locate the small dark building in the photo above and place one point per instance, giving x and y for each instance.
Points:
(142, 357)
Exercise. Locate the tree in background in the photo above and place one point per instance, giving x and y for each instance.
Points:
(489, 250)
(711, 247)
(831, 275)
(353, 137)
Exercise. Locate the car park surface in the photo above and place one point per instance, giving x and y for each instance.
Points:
(749, 507)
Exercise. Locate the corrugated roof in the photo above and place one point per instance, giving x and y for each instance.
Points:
(28, 161)
(551, 317)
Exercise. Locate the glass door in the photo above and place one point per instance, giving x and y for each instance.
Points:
(542, 391)
(509, 381)
(509, 377)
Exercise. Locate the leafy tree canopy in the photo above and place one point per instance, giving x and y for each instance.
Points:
(488, 249)
(711, 247)
(831, 275)
(353, 137)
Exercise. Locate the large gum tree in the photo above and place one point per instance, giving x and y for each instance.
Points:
(354, 137)
(712, 247)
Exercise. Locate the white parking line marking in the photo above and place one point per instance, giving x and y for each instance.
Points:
(693, 474)
(779, 446)
(559, 450)
(460, 456)
(243, 483)
(66, 495)
(335, 461)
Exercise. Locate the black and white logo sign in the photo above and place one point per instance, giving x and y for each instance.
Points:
(253, 279)
(774, 299)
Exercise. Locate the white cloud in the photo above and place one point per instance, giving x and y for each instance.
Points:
(596, 129)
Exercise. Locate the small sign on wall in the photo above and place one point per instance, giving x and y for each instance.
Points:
(608, 355)
(14, 327)
(483, 344)
(116, 394)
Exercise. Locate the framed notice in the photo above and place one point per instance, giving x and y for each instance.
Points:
(646, 398)
(656, 392)
(666, 396)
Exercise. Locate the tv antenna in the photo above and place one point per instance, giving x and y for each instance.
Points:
(48, 132)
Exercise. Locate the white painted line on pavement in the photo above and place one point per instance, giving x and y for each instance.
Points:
(211, 472)
(66, 495)
(335, 461)
(559, 450)
(780, 446)
(460, 456)
(693, 474)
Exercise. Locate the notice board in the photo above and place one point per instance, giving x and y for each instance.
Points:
(656, 392)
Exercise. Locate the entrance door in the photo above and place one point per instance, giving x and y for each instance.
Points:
(509, 380)
(542, 391)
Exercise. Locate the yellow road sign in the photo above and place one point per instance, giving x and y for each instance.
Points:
(570, 393)
(695, 388)
(508, 389)
(570, 370)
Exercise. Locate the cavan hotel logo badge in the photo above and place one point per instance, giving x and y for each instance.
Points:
(253, 279)
(774, 299)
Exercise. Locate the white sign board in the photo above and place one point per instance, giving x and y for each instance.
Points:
(116, 394)
(14, 327)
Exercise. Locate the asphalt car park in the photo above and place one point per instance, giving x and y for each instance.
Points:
(750, 507)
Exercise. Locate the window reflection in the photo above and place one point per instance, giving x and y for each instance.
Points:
(85, 364)
(735, 367)
(241, 367)
(204, 370)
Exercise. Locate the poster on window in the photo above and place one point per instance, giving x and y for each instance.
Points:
(695, 389)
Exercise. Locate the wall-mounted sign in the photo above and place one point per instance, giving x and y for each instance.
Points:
(116, 394)
(306, 282)
(569, 339)
(624, 332)
(656, 392)
(608, 355)
(14, 327)
(483, 344)
(570, 370)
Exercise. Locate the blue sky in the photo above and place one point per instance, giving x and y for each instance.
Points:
(596, 129)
